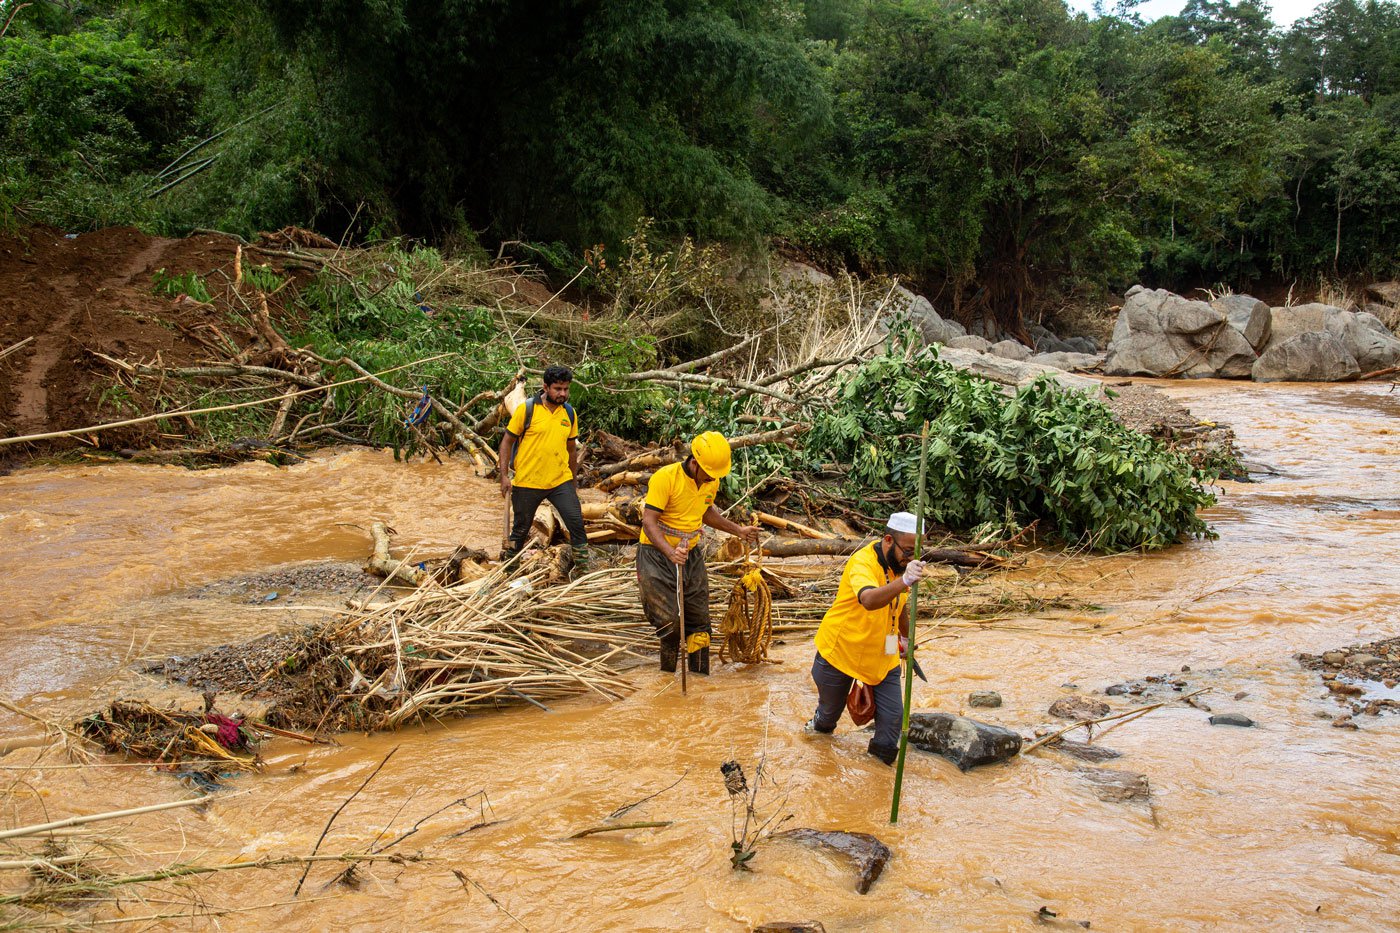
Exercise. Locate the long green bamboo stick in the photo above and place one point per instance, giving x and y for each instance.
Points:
(913, 617)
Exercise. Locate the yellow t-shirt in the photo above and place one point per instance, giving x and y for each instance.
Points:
(682, 503)
(851, 637)
(542, 455)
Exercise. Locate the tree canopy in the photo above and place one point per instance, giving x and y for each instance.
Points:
(1000, 153)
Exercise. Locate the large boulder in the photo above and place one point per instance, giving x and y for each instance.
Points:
(1312, 356)
(1046, 341)
(1362, 336)
(970, 342)
(1162, 334)
(1010, 350)
(920, 312)
(965, 742)
(1248, 315)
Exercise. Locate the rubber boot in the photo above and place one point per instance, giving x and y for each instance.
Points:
(580, 565)
(699, 662)
(669, 652)
(668, 658)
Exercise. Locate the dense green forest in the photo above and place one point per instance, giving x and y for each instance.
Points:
(998, 153)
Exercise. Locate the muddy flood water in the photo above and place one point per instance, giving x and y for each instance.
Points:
(1292, 824)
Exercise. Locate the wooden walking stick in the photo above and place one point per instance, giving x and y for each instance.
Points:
(913, 605)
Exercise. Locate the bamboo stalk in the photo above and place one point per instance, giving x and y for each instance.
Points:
(913, 616)
(100, 817)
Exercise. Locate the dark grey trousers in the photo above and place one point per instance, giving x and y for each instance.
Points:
(656, 578)
(564, 497)
(832, 687)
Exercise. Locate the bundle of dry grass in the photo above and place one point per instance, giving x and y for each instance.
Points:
(498, 640)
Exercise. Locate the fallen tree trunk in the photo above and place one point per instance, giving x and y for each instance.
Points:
(382, 564)
(807, 547)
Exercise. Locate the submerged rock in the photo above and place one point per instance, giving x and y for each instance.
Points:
(1079, 707)
(988, 699)
(1117, 786)
(1084, 751)
(870, 854)
(965, 742)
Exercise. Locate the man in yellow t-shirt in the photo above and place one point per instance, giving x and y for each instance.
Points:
(541, 444)
(861, 636)
(681, 498)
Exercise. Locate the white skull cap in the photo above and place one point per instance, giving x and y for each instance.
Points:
(904, 522)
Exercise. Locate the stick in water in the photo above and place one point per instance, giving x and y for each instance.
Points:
(913, 616)
(681, 651)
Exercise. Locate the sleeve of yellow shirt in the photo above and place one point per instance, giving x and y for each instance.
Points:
(864, 575)
(517, 420)
(659, 490)
(573, 428)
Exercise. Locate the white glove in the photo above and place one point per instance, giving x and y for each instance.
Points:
(913, 572)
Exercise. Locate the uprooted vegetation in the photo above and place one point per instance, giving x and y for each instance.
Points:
(397, 346)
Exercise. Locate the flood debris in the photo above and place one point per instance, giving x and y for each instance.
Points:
(965, 742)
(205, 743)
(869, 853)
(761, 803)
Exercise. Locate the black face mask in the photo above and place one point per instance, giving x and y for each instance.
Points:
(897, 566)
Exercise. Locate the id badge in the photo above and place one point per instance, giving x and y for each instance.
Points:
(891, 644)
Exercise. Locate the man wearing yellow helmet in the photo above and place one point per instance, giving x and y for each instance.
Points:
(681, 498)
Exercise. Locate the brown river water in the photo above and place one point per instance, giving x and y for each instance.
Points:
(1290, 825)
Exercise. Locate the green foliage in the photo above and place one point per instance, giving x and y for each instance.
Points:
(1044, 454)
(173, 286)
(83, 114)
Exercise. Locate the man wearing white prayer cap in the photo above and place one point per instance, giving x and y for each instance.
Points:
(862, 634)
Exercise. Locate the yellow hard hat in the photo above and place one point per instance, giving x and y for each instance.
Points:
(711, 451)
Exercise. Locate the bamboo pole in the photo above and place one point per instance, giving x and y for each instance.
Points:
(99, 817)
(913, 605)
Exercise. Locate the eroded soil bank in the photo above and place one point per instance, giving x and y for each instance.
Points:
(1291, 823)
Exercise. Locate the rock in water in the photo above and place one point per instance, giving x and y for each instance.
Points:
(1313, 356)
(870, 854)
(965, 742)
(799, 926)
(1084, 751)
(1079, 707)
(989, 699)
(1117, 786)
(1231, 719)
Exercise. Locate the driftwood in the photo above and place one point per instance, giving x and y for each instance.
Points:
(807, 547)
(385, 566)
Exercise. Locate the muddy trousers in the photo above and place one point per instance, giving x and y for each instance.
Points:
(525, 502)
(832, 687)
(656, 578)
